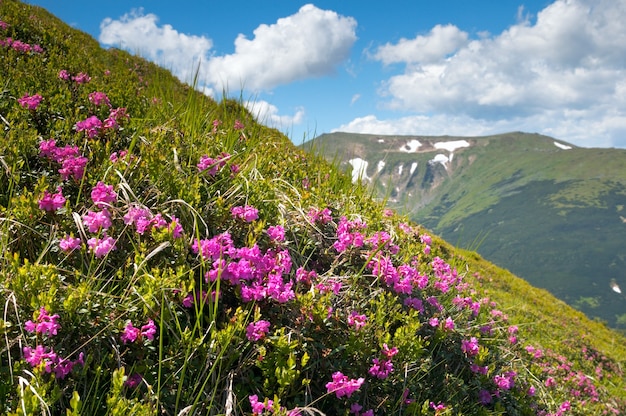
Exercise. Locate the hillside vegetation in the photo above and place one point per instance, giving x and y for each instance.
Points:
(549, 211)
(164, 253)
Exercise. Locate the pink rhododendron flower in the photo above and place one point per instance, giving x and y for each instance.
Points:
(69, 243)
(44, 324)
(149, 330)
(257, 330)
(81, 78)
(73, 166)
(92, 125)
(133, 380)
(342, 385)
(257, 406)
(322, 216)
(247, 213)
(130, 333)
(98, 98)
(64, 75)
(52, 202)
(238, 125)
(381, 368)
(276, 233)
(356, 320)
(448, 324)
(40, 356)
(30, 102)
(100, 247)
(102, 194)
(470, 347)
(97, 220)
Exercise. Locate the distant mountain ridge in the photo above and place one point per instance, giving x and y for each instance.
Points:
(551, 212)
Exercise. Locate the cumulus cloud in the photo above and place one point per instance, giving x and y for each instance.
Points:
(140, 33)
(268, 114)
(562, 74)
(441, 41)
(310, 43)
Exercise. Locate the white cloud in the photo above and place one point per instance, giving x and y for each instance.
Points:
(310, 43)
(139, 33)
(561, 75)
(267, 114)
(441, 41)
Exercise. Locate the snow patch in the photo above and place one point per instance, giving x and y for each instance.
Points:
(452, 146)
(380, 166)
(381, 141)
(411, 146)
(359, 169)
(440, 158)
(400, 169)
(562, 146)
(413, 167)
(615, 287)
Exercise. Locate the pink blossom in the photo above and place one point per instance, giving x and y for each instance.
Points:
(40, 356)
(257, 406)
(98, 98)
(102, 194)
(69, 243)
(356, 320)
(73, 166)
(149, 330)
(100, 247)
(257, 330)
(133, 380)
(505, 381)
(276, 233)
(44, 324)
(30, 102)
(449, 324)
(381, 368)
(175, 228)
(96, 220)
(52, 202)
(247, 213)
(81, 78)
(434, 322)
(322, 216)
(92, 125)
(130, 333)
(342, 385)
(64, 75)
(470, 347)
(238, 125)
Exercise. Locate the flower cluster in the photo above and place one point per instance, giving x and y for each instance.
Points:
(213, 165)
(257, 330)
(69, 157)
(52, 202)
(349, 234)
(93, 126)
(20, 46)
(80, 78)
(43, 357)
(130, 334)
(30, 102)
(44, 323)
(247, 213)
(259, 275)
(342, 385)
(381, 368)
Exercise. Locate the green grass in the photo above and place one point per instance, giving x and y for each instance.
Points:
(166, 321)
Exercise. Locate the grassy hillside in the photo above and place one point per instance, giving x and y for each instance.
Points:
(548, 211)
(163, 253)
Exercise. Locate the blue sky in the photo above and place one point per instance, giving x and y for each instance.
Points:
(417, 67)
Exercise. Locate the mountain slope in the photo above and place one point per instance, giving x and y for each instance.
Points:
(550, 212)
(164, 253)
